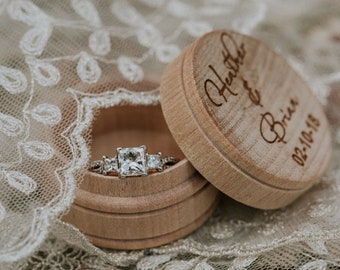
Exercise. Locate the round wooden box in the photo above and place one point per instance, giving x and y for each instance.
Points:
(245, 119)
(140, 212)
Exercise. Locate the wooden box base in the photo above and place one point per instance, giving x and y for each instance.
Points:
(140, 212)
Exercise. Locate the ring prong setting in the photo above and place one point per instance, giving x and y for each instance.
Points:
(131, 162)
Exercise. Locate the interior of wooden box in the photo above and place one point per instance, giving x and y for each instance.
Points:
(152, 210)
(131, 126)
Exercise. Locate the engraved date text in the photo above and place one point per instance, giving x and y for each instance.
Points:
(306, 140)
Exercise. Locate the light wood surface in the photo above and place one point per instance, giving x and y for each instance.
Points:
(141, 225)
(153, 241)
(140, 212)
(143, 203)
(246, 120)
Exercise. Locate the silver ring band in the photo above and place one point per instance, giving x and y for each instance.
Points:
(131, 162)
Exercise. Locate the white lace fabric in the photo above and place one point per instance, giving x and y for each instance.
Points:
(60, 61)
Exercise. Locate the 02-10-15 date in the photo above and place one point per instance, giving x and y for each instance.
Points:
(306, 140)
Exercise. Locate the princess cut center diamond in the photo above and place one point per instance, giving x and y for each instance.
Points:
(132, 161)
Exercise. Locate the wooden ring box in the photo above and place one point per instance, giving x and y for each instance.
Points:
(140, 212)
(231, 97)
(243, 118)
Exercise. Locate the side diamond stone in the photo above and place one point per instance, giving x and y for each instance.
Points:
(154, 162)
(109, 165)
(132, 161)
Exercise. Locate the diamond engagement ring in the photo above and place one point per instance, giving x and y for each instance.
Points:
(132, 161)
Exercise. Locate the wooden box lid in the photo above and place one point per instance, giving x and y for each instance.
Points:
(245, 119)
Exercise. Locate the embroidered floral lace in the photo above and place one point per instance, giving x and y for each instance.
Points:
(60, 61)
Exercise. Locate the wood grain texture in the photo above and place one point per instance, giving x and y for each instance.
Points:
(143, 203)
(153, 241)
(246, 120)
(141, 225)
(140, 212)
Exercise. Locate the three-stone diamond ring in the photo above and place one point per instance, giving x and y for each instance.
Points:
(132, 161)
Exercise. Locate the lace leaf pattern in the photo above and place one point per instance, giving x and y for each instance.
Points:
(149, 36)
(44, 73)
(13, 80)
(10, 126)
(34, 40)
(87, 11)
(38, 150)
(130, 70)
(88, 69)
(100, 42)
(47, 114)
(63, 54)
(27, 12)
(20, 181)
(126, 13)
(167, 52)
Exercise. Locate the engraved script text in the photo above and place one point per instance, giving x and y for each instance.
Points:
(232, 58)
(306, 140)
(274, 130)
(273, 127)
